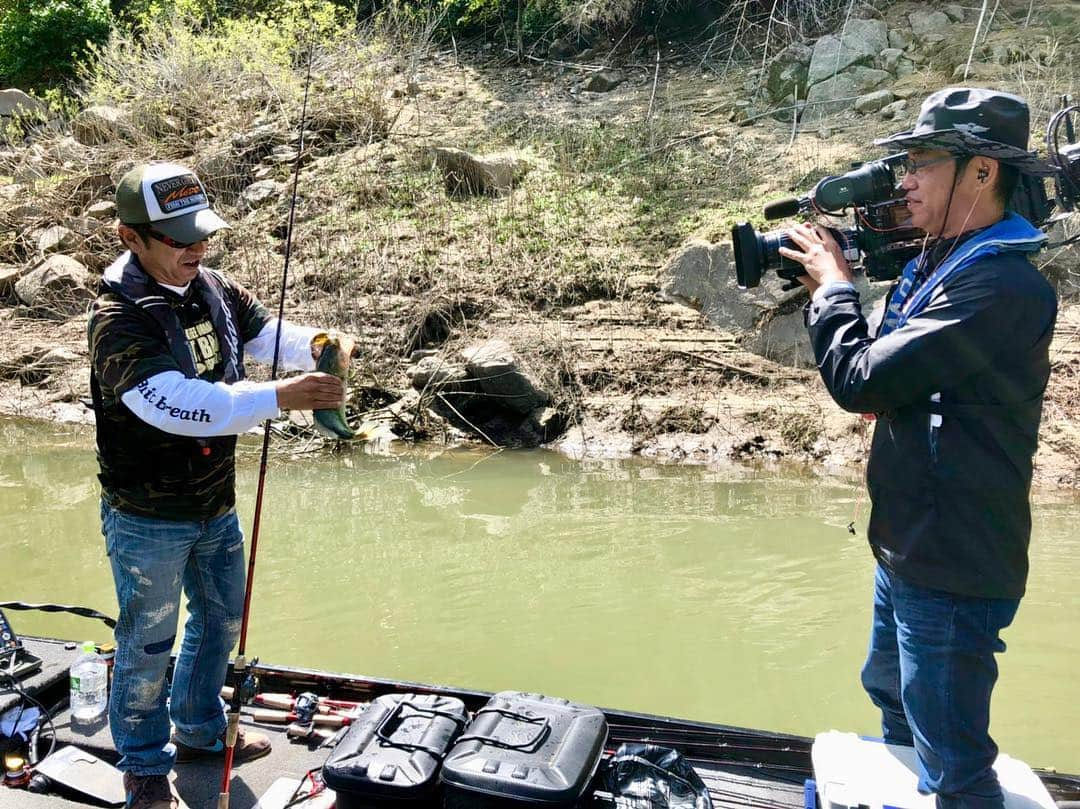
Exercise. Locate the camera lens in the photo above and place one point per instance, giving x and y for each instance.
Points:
(755, 253)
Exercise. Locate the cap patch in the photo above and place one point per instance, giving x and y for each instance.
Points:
(177, 193)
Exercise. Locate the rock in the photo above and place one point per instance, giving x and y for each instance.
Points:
(954, 12)
(561, 48)
(890, 112)
(788, 107)
(259, 138)
(868, 78)
(101, 124)
(890, 58)
(16, 102)
(899, 39)
(549, 423)
(70, 150)
(928, 26)
(701, 275)
(35, 366)
(104, 210)
(57, 239)
(259, 193)
(981, 71)
(604, 81)
(872, 102)
(464, 173)
(905, 67)
(830, 96)
(281, 154)
(434, 373)
(788, 71)
(860, 42)
(59, 287)
(783, 337)
(493, 366)
(9, 276)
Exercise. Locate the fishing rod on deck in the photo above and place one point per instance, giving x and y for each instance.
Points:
(243, 680)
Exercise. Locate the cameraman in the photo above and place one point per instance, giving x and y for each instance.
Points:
(956, 374)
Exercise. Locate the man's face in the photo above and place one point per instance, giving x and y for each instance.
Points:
(167, 265)
(927, 189)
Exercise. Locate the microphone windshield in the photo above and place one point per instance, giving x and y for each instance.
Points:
(781, 208)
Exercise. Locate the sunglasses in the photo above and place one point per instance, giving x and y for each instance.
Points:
(168, 241)
(909, 166)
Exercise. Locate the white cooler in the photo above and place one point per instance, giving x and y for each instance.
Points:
(853, 773)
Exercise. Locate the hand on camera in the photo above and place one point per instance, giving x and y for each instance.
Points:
(819, 255)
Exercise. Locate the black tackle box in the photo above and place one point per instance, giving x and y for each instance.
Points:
(391, 754)
(525, 749)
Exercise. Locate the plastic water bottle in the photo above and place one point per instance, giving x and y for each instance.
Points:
(89, 678)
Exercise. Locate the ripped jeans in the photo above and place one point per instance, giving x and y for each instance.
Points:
(151, 559)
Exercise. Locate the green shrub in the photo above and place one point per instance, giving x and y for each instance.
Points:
(41, 41)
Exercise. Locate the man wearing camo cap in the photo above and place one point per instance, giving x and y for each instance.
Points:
(168, 342)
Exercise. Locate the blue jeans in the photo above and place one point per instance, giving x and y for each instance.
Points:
(151, 559)
(931, 671)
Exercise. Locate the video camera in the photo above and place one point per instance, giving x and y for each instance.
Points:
(881, 241)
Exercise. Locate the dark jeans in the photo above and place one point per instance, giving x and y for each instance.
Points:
(931, 671)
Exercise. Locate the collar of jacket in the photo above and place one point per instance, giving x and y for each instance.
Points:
(1012, 234)
(126, 278)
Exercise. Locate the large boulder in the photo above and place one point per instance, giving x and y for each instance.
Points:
(464, 173)
(830, 96)
(59, 287)
(702, 275)
(101, 124)
(860, 43)
(16, 102)
(868, 78)
(788, 72)
(929, 26)
(783, 338)
(493, 366)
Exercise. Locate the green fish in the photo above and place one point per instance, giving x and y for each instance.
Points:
(334, 359)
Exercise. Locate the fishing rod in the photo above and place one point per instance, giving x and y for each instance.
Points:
(243, 682)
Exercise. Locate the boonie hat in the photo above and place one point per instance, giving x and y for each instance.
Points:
(971, 120)
(169, 197)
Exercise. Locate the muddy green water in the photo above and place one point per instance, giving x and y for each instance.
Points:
(734, 596)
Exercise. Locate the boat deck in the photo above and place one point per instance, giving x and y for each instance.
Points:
(199, 783)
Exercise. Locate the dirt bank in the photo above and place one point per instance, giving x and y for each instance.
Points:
(567, 266)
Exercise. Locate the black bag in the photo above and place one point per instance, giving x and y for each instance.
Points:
(647, 776)
(390, 756)
(525, 749)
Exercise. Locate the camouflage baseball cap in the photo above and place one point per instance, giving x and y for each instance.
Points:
(169, 197)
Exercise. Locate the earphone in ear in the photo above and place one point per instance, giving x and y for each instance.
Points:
(983, 175)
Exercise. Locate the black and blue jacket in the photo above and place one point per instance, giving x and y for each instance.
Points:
(956, 375)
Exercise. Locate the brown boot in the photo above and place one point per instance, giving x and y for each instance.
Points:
(249, 746)
(149, 792)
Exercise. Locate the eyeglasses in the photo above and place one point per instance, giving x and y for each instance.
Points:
(168, 241)
(909, 166)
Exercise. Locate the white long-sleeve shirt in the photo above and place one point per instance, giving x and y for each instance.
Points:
(181, 405)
